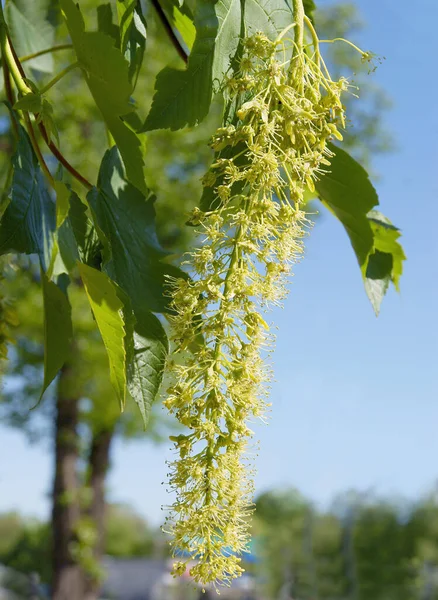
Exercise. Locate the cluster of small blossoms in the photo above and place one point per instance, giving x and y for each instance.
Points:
(266, 157)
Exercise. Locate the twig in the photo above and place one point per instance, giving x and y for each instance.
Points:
(58, 77)
(59, 156)
(27, 57)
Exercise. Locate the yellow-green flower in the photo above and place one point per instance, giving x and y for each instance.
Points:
(267, 156)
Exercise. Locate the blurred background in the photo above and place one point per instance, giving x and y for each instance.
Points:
(347, 482)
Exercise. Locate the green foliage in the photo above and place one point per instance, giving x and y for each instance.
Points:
(31, 30)
(127, 534)
(269, 16)
(382, 561)
(10, 530)
(347, 191)
(57, 330)
(132, 35)
(99, 407)
(184, 97)
(108, 312)
(62, 202)
(181, 18)
(368, 550)
(385, 263)
(26, 546)
(107, 75)
(146, 366)
(350, 195)
(133, 257)
(28, 222)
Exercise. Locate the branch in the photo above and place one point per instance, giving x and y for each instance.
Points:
(59, 156)
(167, 26)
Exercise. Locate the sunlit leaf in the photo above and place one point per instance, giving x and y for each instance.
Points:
(107, 74)
(57, 330)
(108, 312)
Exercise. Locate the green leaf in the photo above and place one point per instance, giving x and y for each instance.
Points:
(68, 248)
(184, 97)
(80, 223)
(31, 31)
(349, 194)
(107, 75)
(87, 240)
(268, 16)
(28, 223)
(46, 117)
(62, 202)
(133, 255)
(386, 237)
(132, 34)
(145, 369)
(146, 350)
(385, 263)
(108, 312)
(181, 19)
(30, 102)
(105, 22)
(58, 331)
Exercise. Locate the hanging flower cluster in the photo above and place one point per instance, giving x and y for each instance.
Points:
(266, 156)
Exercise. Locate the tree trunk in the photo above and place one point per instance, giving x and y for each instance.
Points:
(98, 464)
(67, 581)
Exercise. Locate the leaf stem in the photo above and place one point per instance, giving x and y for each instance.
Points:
(315, 39)
(27, 57)
(58, 77)
(61, 158)
(167, 26)
(364, 54)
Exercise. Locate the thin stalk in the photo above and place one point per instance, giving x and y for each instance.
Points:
(27, 57)
(58, 77)
(61, 158)
(315, 39)
(362, 52)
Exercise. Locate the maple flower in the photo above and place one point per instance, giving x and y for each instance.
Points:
(273, 149)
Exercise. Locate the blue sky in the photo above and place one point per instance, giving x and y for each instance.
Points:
(355, 403)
